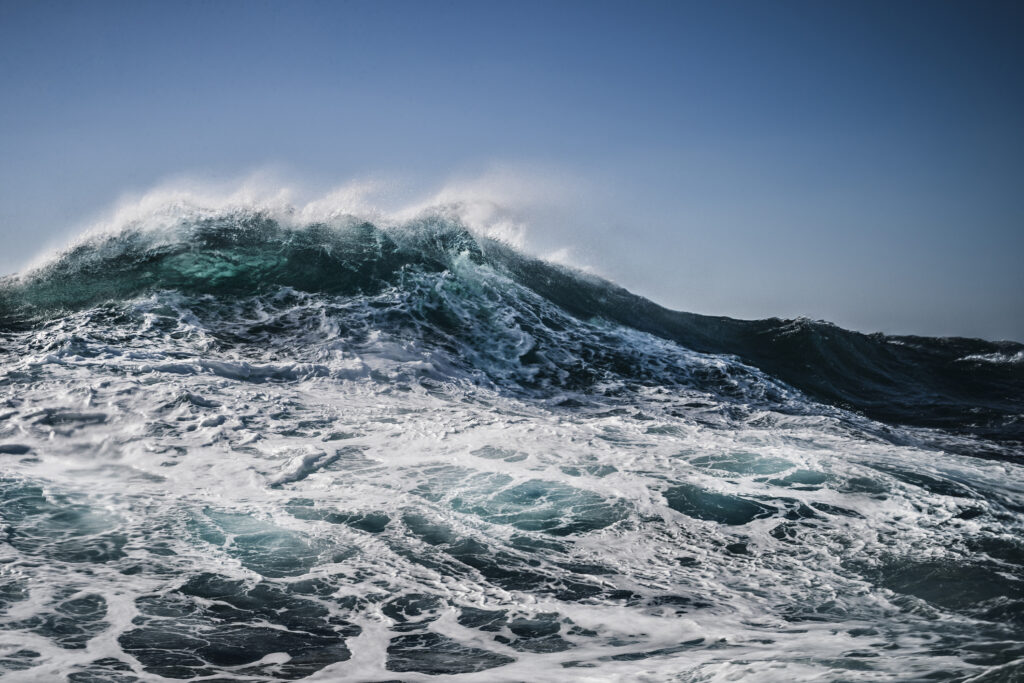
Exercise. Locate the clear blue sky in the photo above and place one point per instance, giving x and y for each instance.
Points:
(861, 162)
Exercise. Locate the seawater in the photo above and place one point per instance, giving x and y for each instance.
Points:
(240, 449)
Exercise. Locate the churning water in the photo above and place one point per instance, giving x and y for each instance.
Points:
(243, 448)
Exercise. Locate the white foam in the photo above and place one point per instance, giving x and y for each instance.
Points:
(205, 446)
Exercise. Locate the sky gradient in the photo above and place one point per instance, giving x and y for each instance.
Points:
(860, 162)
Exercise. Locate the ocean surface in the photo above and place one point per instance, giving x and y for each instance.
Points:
(242, 446)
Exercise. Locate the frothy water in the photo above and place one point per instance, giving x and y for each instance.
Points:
(241, 450)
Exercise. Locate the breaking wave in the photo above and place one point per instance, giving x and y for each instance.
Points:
(920, 381)
(243, 445)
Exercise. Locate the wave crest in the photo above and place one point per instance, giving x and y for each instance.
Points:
(236, 253)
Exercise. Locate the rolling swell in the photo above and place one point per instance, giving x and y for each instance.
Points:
(961, 385)
(950, 383)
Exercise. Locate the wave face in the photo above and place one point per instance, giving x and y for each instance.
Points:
(243, 448)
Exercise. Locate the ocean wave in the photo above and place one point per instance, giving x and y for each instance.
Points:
(238, 252)
(253, 447)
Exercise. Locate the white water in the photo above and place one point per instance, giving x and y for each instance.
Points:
(396, 481)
